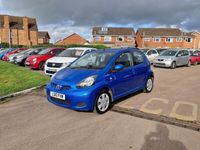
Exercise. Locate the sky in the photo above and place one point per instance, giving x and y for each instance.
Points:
(64, 17)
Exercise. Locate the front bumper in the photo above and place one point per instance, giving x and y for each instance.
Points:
(51, 71)
(162, 63)
(75, 99)
(32, 65)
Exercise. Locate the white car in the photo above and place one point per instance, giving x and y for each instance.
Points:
(64, 59)
(151, 54)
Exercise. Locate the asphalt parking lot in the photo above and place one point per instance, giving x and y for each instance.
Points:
(176, 94)
(30, 122)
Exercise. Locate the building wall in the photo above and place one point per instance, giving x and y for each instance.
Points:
(114, 42)
(42, 41)
(19, 37)
(141, 43)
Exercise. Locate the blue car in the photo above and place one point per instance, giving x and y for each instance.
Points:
(99, 78)
(4, 52)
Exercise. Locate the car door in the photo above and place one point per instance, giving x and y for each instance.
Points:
(122, 81)
(179, 58)
(186, 55)
(139, 70)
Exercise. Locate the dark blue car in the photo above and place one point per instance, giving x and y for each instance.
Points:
(99, 78)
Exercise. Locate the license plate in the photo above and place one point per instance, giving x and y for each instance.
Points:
(53, 70)
(57, 95)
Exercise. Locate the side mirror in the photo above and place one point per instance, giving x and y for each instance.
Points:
(179, 55)
(119, 67)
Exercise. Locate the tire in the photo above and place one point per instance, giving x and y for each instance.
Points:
(103, 102)
(189, 63)
(149, 85)
(173, 65)
(41, 66)
(195, 63)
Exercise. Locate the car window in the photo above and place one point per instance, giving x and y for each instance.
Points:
(124, 59)
(57, 51)
(87, 51)
(180, 53)
(149, 52)
(137, 58)
(154, 52)
(186, 53)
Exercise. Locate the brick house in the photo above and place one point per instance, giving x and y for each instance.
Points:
(18, 30)
(166, 38)
(114, 37)
(72, 39)
(43, 37)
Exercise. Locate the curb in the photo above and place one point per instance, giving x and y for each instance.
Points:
(2, 98)
(193, 125)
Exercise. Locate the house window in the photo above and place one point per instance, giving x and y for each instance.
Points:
(147, 39)
(97, 38)
(157, 39)
(129, 38)
(120, 38)
(189, 40)
(107, 38)
(104, 29)
(169, 39)
(179, 39)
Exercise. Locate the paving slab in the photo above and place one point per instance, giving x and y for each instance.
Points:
(176, 94)
(30, 122)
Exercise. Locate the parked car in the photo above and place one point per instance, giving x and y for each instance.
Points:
(151, 54)
(21, 57)
(195, 58)
(5, 51)
(6, 57)
(173, 58)
(65, 58)
(97, 79)
(38, 61)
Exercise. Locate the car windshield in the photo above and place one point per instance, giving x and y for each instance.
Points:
(44, 51)
(71, 53)
(196, 54)
(26, 51)
(92, 61)
(169, 53)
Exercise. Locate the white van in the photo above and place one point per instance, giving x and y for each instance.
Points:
(65, 58)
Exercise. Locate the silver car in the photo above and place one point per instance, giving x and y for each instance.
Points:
(173, 58)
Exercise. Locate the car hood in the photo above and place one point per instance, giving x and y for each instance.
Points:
(61, 59)
(74, 75)
(34, 56)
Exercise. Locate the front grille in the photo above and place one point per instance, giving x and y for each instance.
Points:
(162, 64)
(50, 72)
(67, 102)
(54, 65)
(64, 87)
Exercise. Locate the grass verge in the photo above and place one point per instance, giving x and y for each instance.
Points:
(14, 78)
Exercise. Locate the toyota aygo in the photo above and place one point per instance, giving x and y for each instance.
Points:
(99, 78)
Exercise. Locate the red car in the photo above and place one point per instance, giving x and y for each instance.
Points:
(5, 57)
(38, 61)
(195, 58)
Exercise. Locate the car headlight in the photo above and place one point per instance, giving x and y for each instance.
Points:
(89, 81)
(34, 59)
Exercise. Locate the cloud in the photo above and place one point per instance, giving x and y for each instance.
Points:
(76, 15)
